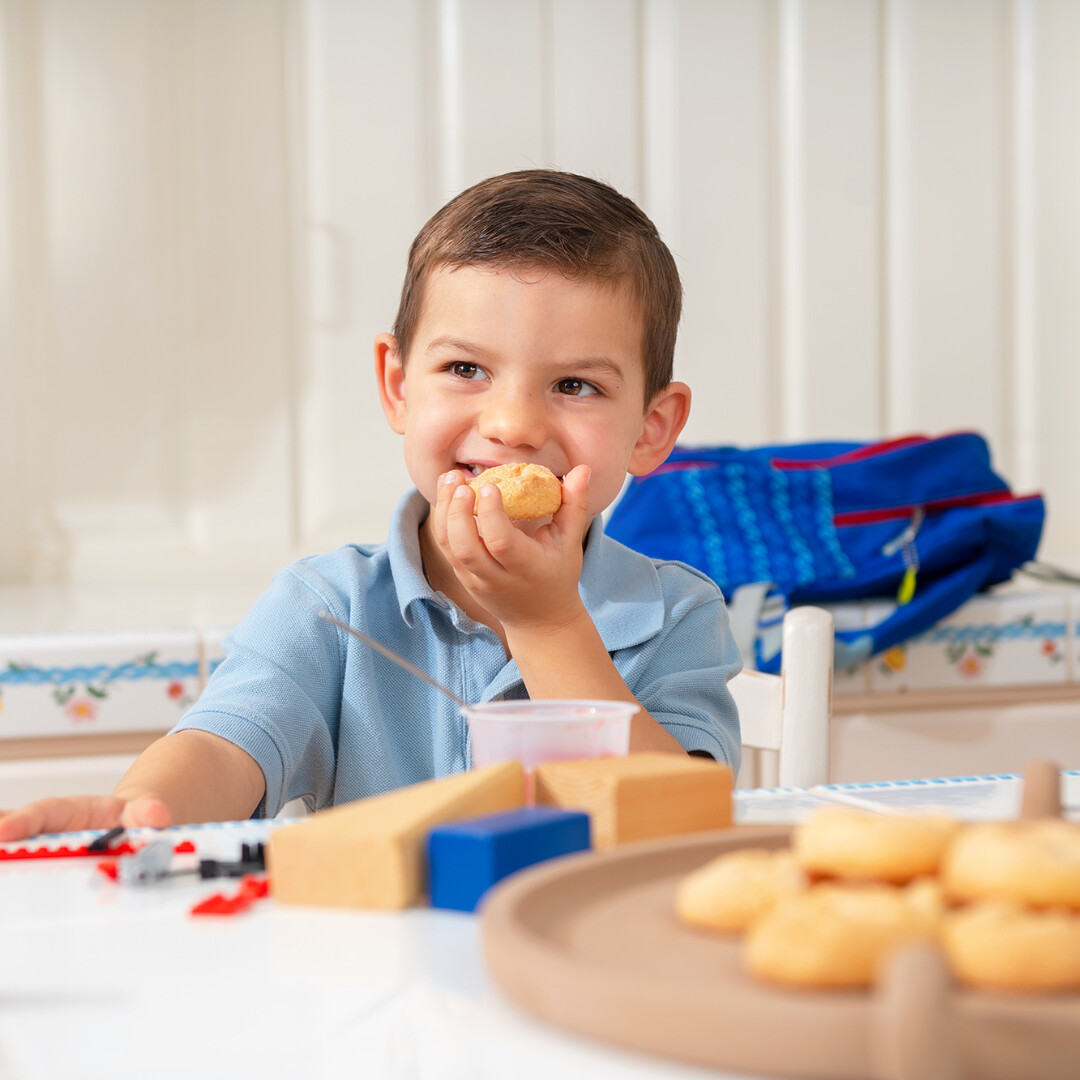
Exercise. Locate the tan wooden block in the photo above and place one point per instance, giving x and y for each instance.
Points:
(641, 796)
(370, 853)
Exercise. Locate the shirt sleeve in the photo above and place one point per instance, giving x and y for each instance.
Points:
(277, 694)
(680, 676)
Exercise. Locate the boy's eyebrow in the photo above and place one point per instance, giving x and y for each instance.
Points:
(599, 365)
(459, 344)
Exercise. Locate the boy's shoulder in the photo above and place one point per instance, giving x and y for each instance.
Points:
(361, 564)
(617, 563)
(342, 567)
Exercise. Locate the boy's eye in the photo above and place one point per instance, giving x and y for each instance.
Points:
(576, 387)
(464, 370)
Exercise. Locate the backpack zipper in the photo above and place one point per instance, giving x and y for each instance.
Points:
(905, 544)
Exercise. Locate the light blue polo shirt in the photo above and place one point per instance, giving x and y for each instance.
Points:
(329, 720)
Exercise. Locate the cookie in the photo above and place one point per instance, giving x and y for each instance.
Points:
(731, 891)
(528, 491)
(837, 936)
(1035, 863)
(854, 845)
(999, 946)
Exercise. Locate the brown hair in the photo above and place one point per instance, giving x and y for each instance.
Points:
(543, 218)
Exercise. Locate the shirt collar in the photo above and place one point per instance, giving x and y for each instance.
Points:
(403, 547)
(620, 588)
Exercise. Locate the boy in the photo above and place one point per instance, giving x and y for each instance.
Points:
(537, 324)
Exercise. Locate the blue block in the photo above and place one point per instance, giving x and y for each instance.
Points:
(466, 858)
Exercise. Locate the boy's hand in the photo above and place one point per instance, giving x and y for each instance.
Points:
(522, 580)
(80, 812)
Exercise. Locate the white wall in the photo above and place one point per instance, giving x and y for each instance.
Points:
(205, 207)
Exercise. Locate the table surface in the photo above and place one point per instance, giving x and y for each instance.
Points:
(99, 980)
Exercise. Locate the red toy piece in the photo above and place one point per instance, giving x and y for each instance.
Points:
(251, 889)
(64, 852)
(255, 887)
(185, 847)
(110, 869)
(218, 904)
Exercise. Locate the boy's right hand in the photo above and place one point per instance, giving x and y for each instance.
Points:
(78, 812)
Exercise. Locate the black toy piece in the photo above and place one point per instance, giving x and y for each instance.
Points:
(103, 842)
(252, 861)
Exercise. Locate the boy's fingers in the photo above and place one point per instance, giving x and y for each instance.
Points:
(448, 484)
(573, 514)
(146, 811)
(461, 530)
(61, 815)
(496, 529)
(15, 825)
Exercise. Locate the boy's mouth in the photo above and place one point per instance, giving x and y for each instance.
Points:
(475, 468)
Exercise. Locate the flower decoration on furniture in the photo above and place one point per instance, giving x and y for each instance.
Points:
(80, 691)
(893, 660)
(178, 693)
(79, 709)
(1052, 651)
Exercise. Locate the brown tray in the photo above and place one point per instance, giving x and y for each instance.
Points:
(591, 942)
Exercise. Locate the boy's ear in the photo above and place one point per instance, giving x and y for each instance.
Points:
(390, 376)
(664, 421)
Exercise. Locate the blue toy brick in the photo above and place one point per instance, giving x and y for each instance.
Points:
(467, 857)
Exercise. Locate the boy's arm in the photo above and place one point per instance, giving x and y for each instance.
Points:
(531, 586)
(198, 776)
(185, 777)
(572, 662)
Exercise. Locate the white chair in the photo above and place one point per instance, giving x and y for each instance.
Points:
(785, 718)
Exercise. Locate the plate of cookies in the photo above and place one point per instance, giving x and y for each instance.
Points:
(851, 945)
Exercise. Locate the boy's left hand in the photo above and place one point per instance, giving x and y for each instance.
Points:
(524, 581)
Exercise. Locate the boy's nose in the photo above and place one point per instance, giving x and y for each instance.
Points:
(515, 418)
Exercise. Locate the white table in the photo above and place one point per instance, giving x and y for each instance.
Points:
(101, 981)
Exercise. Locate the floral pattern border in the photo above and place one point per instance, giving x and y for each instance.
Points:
(967, 649)
(80, 691)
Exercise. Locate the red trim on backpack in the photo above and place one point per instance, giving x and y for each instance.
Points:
(934, 506)
(858, 454)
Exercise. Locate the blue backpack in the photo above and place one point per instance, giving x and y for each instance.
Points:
(925, 521)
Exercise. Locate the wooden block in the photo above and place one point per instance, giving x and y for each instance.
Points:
(372, 853)
(639, 797)
(466, 858)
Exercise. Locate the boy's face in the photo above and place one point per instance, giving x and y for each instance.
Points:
(526, 366)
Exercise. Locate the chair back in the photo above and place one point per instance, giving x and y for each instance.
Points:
(784, 719)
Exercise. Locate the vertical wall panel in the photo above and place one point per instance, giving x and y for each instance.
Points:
(495, 60)
(720, 226)
(1022, 428)
(594, 83)
(959, 88)
(16, 297)
(841, 111)
(106, 380)
(791, 225)
(154, 341)
(898, 230)
(241, 433)
(369, 150)
(1057, 184)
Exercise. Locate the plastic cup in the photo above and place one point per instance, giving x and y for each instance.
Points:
(533, 732)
